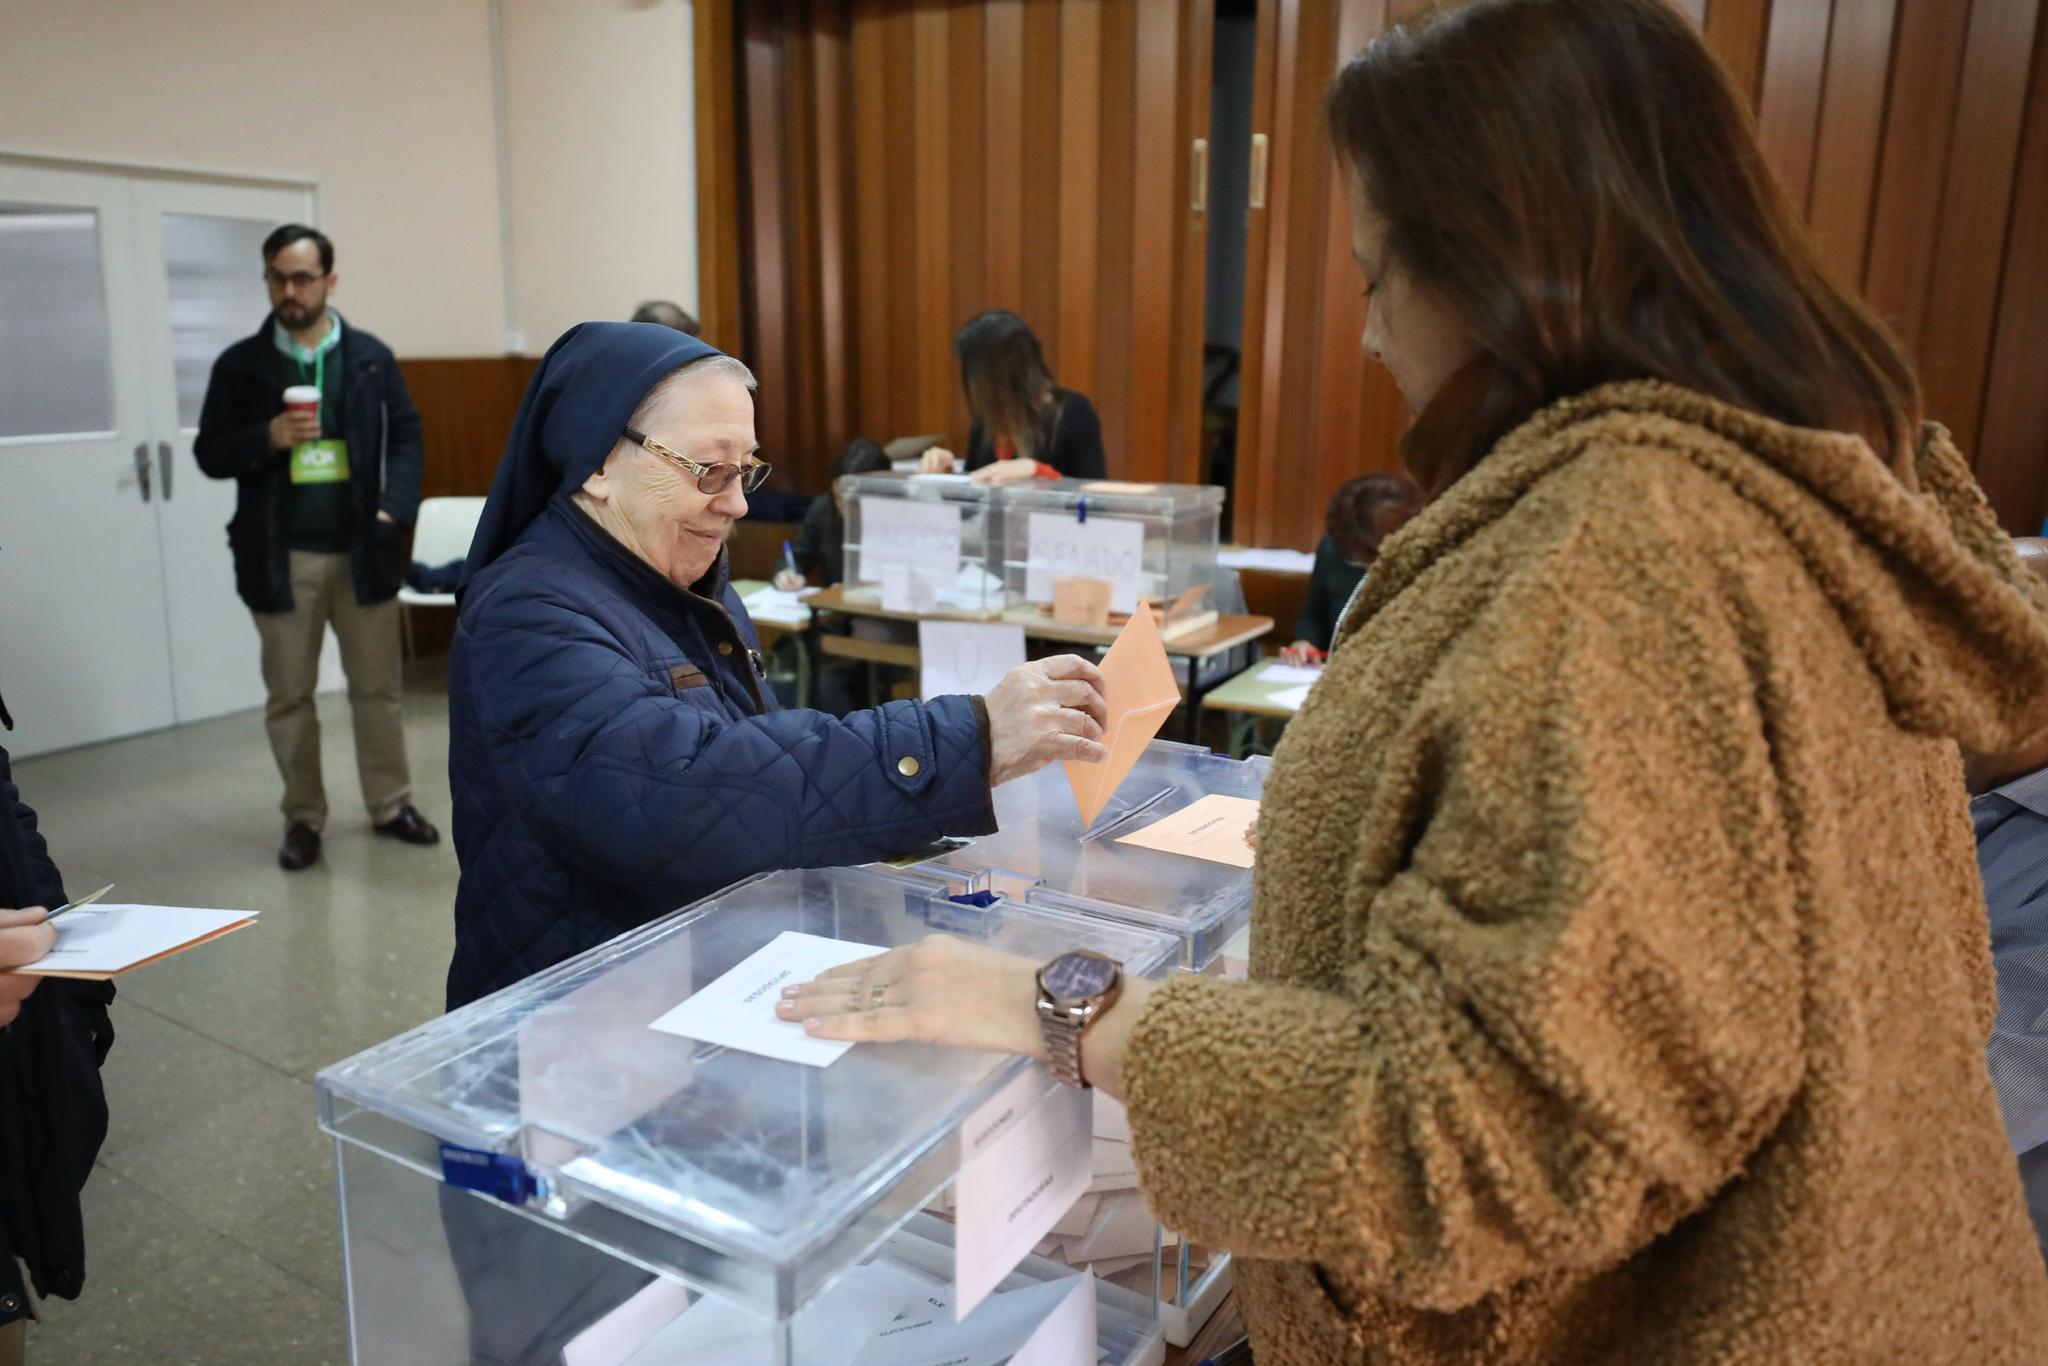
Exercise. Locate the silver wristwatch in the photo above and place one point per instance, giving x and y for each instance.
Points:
(1073, 989)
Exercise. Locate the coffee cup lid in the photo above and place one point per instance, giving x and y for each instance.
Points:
(301, 393)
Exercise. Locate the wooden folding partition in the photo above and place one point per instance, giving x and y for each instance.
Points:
(904, 164)
(873, 172)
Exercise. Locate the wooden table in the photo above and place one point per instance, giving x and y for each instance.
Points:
(1224, 633)
(1248, 700)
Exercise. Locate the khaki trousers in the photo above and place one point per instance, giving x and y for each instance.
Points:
(322, 595)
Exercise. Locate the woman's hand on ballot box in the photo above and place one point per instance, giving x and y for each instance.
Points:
(959, 994)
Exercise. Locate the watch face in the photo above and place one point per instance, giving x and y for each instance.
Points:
(1077, 976)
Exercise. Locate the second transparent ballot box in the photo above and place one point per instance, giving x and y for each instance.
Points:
(1152, 543)
(553, 1175)
(922, 544)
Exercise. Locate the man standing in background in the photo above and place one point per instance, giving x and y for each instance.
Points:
(326, 492)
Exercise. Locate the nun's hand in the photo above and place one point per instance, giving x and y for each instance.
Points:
(1013, 471)
(937, 460)
(1042, 712)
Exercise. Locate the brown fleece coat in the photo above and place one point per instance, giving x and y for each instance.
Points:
(1620, 970)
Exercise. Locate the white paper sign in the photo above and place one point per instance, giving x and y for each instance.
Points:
(907, 531)
(1025, 1157)
(966, 656)
(738, 1009)
(1111, 548)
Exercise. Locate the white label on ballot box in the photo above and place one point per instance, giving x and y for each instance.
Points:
(1111, 548)
(923, 536)
(1025, 1157)
(968, 657)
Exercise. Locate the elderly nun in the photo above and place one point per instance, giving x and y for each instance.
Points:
(614, 749)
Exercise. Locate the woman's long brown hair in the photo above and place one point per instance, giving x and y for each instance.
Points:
(1580, 181)
(1009, 389)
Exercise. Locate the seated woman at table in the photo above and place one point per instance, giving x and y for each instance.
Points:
(614, 751)
(1362, 513)
(1025, 425)
(820, 551)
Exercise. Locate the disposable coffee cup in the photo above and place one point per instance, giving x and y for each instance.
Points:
(302, 398)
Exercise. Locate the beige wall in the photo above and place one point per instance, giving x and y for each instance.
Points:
(600, 123)
(385, 103)
(388, 106)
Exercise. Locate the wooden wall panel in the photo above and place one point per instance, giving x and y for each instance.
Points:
(2012, 447)
(1976, 212)
(935, 158)
(1851, 130)
(715, 54)
(910, 163)
(466, 408)
(1735, 30)
(1906, 216)
(1895, 126)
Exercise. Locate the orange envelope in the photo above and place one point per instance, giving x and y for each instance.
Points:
(1141, 695)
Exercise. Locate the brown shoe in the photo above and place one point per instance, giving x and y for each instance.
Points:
(409, 825)
(301, 848)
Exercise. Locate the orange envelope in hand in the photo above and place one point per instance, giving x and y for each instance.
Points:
(1141, 695)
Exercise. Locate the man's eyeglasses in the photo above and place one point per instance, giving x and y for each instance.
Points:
(711, 479)
(298, 279)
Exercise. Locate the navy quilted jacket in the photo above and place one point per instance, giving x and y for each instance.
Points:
(614, 755)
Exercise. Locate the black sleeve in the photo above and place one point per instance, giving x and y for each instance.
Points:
(810, 540)
(1077, 442)
(404, 460)
(234, 425)
(979, 451)
(45, 883)
(1318, 614)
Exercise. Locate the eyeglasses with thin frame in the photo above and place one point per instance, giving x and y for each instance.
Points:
(298, 279)
(711, 479)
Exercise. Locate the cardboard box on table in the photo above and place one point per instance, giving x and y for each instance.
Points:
(542, 1176)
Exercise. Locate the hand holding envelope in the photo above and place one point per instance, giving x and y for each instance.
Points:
(1139, 684)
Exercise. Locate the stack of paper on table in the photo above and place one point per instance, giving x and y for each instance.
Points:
(776, 607)
(100, 941)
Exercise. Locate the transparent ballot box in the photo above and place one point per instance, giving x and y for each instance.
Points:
(1153, 543)
(1042, 856)
(549, 1176)
(924, 544)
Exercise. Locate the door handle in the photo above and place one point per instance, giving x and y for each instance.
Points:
(1198, 166)
(163, 465)
(141, 470)
(1258, 171)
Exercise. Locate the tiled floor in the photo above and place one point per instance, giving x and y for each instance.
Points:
(211, 1229)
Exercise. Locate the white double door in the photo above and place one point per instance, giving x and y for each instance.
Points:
(118, 611)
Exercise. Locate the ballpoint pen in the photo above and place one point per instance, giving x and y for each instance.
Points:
(85, 900)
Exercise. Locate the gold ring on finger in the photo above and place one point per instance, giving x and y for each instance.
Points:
(875, 995)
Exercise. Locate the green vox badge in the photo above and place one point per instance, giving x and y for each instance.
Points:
(320, 462)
